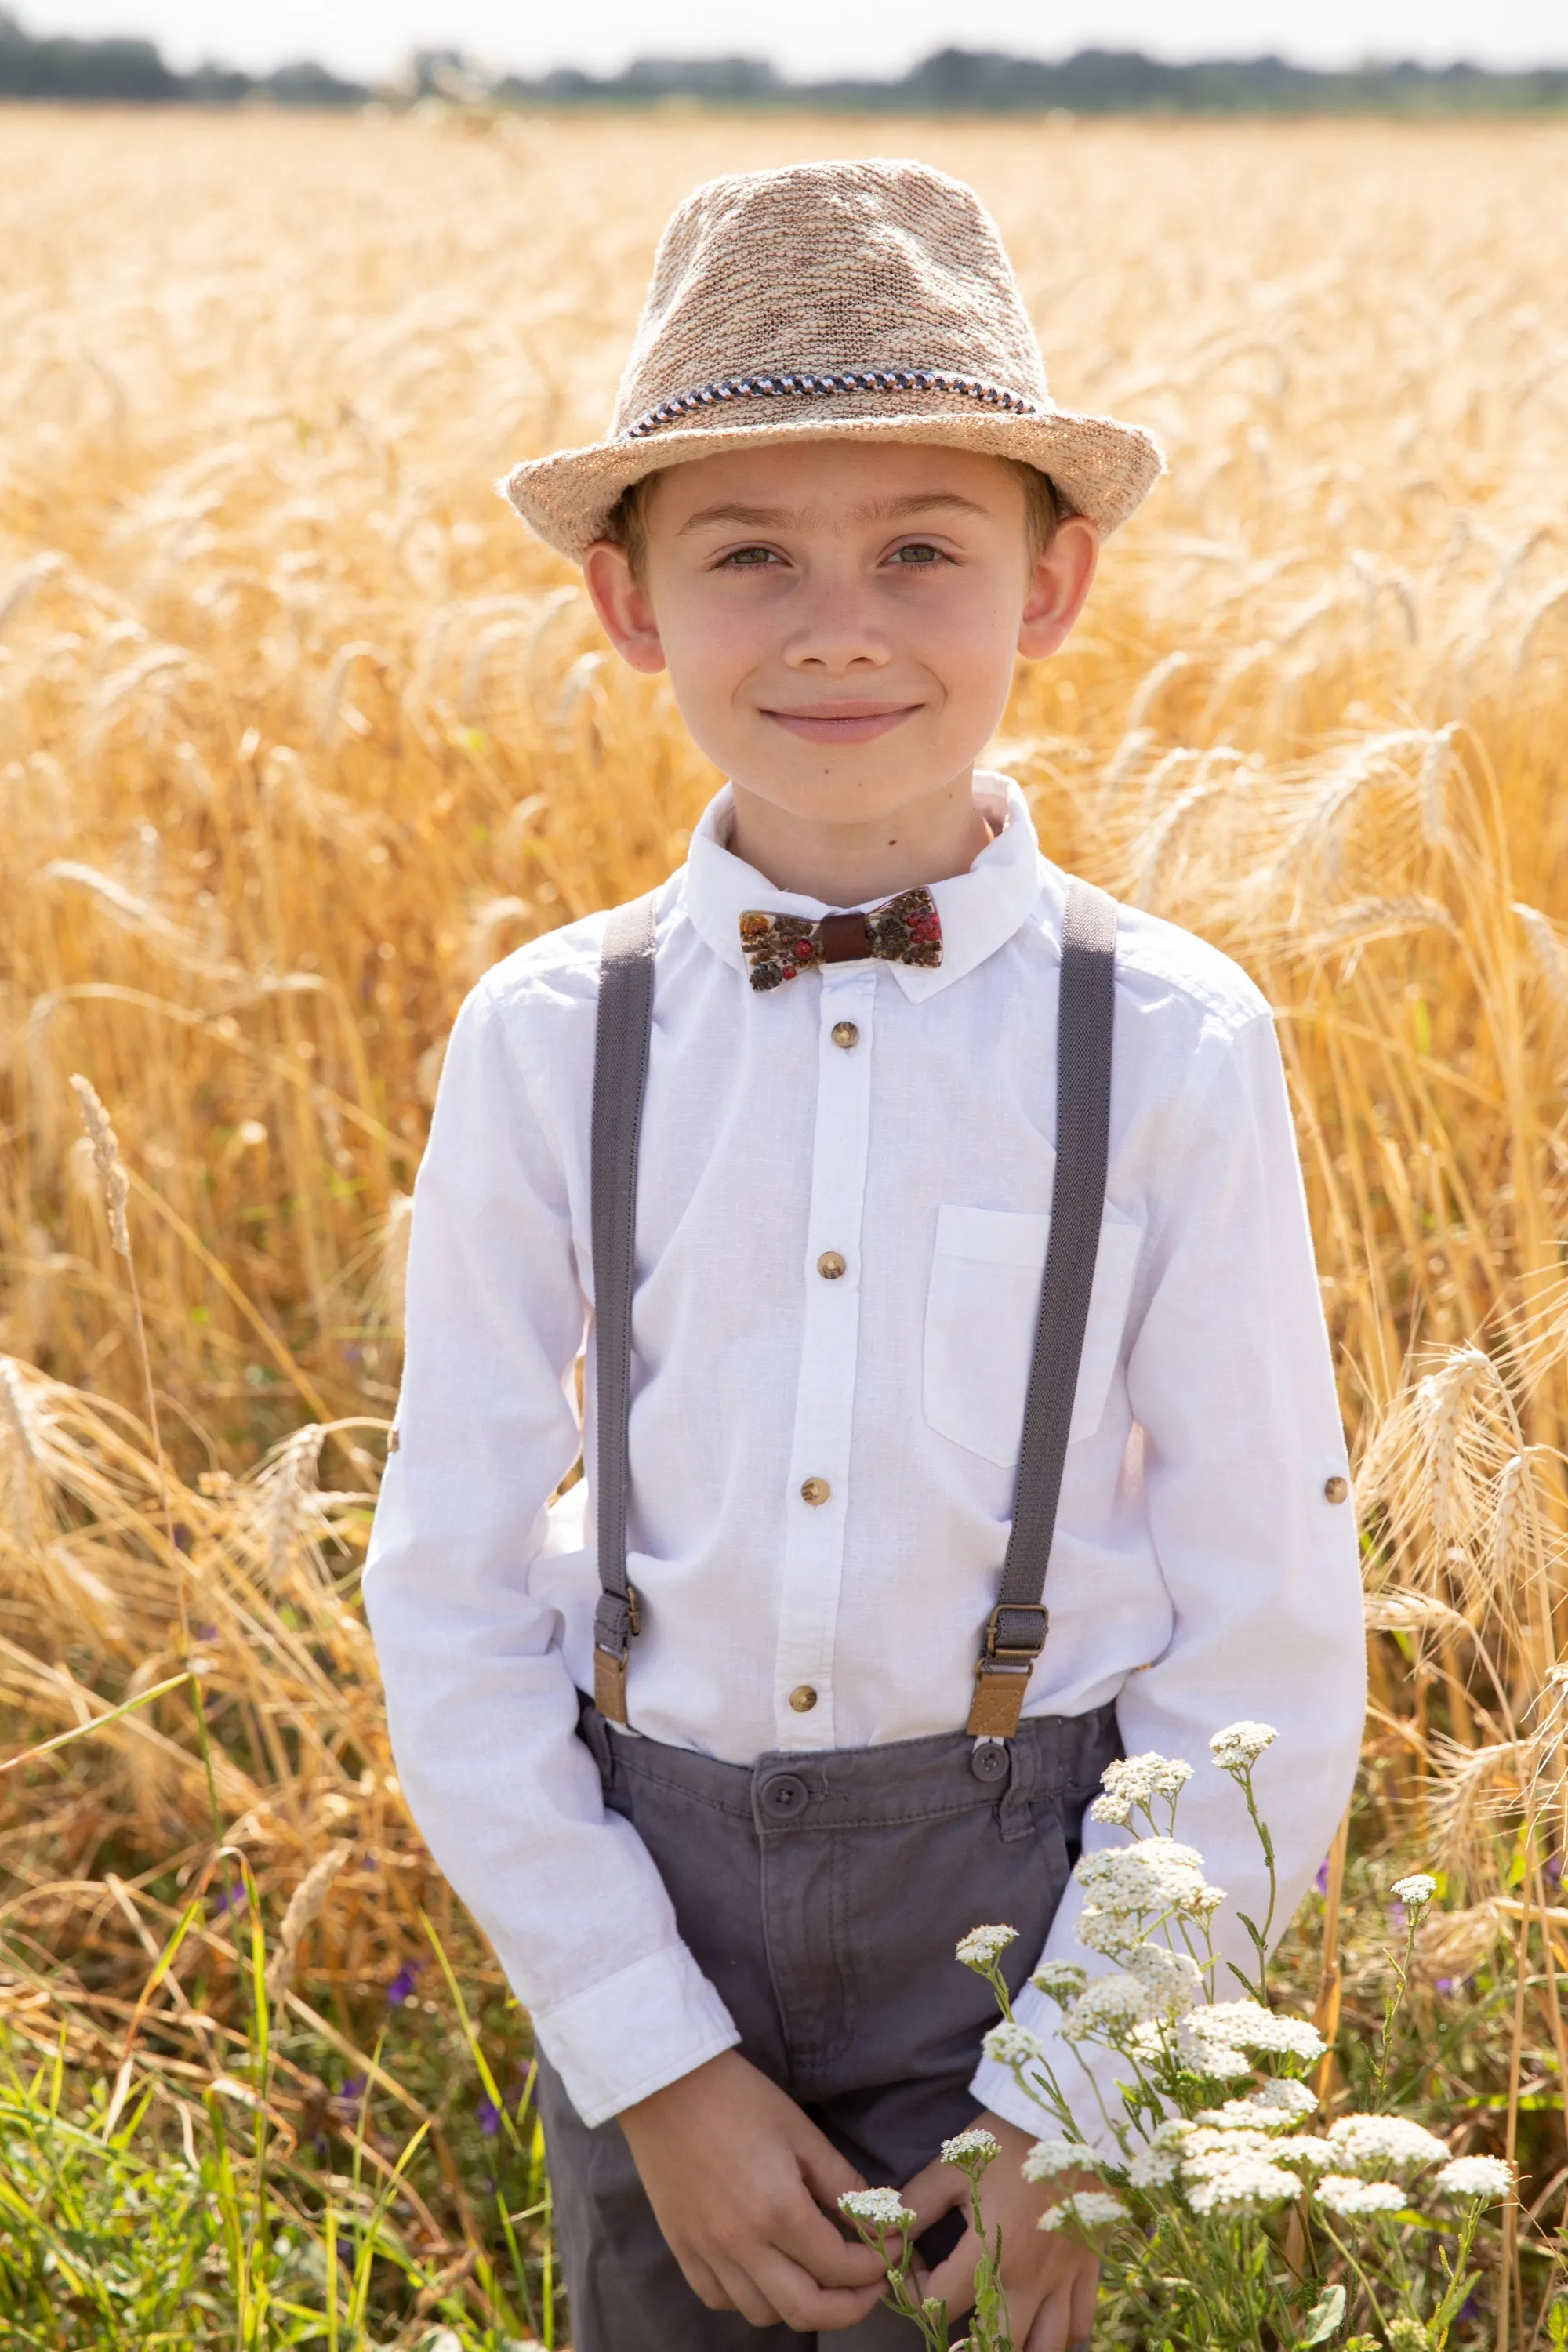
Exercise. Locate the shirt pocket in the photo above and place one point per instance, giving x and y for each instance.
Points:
(981, 1312)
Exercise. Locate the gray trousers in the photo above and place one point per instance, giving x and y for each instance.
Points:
(823, 1896)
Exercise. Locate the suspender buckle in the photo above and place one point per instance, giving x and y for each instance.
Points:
(1002, 1674)
(617, 1624)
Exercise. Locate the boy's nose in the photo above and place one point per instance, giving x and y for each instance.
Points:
(838, 634)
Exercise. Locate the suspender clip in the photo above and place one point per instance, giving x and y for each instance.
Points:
(617, 1624)
(1002, 1675)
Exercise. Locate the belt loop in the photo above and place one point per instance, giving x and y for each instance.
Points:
(1016, 1812)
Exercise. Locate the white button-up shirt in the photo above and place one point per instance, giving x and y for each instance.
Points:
(1200, 1572)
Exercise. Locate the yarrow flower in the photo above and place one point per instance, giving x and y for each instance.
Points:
(1011, 2044)
(1137, 1781)
(1090, 2208)
(1392, 2143)
(1173, 1981)
(1351, 2198)
(1417, 1891)
(1060, 1978)
(1304, 2149)
(878, 2208)
(1238, 1747)
(1475, 2176)
(1106, 2006)
(971, 2150)
(982, 1946)
(1156, 1875)
(1246, 2025)
(1048, 2159)
(1275, 2106)
(1248, 2181)
(1153, 2167)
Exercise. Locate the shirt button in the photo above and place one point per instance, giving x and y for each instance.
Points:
(830, 1266)
(803, 1698)
(815, 1490)
(1336, 1489)
(846, 1033)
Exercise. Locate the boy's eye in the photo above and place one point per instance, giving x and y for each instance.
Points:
(747, 559)
(918, 555)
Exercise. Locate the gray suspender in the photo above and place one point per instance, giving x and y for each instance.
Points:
(1016, 1631)
(620, 1076)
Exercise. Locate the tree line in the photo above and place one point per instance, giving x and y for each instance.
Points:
(121, 71)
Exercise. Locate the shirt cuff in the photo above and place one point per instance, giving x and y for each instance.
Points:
(629, 2035)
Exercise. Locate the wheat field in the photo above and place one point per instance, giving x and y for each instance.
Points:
(299, 731)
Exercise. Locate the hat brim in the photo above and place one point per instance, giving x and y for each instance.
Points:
(1102, 468)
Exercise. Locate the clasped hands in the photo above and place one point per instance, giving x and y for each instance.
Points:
(744, 2185)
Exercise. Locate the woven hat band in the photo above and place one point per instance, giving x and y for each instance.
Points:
(733, 390)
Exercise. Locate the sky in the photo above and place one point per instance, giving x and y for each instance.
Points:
(368, 38)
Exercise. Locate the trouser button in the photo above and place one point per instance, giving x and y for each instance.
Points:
(784, 1796)
(988, 1760)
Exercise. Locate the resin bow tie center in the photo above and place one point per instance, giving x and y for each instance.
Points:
(778, 947)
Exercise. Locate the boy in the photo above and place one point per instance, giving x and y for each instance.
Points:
(830, 1458)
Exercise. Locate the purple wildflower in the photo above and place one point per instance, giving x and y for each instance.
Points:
(234, 1898)
(1321, 1880)
(404, 1984)
(490, 2115)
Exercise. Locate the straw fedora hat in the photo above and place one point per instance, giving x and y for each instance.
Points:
(865, 300)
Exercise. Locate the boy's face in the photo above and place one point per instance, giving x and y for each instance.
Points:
(839, 619)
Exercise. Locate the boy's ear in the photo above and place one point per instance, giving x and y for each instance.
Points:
(623, 607)
(1059, 582)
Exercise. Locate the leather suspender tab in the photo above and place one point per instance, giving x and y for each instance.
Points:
(1085, 1021)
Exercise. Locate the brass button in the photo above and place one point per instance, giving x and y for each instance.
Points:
(1336, 1489)
(846, 1033)
(803, 1698)
(830, 1266)
(815, 1490)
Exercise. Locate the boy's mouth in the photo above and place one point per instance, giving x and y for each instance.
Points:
(844, 723)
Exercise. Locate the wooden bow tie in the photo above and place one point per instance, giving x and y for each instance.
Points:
(905, 929)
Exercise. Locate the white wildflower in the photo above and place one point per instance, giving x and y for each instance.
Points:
(982, 1946)
(1260, 2111)
(1245, 2025)
(1049, 2158)
(1137, 1781)
(1153, 1876)
(1304, 2149)
(1351, 2198)
(972, 2149)
(879, 2208)
(1247, 2183)
(1475, 2176)
(1108, 1932)
(1173, 1980)
(1011, 2044)
(1417, 1891)
(1174, 2132)
(1291, 2098)
(1153, 2167)
(1107, 2006)
(1240, 1745)
(1090, 2208)
(1392, 2143)
(1207, 2144)
(1205, 1902)
(1060, 1978)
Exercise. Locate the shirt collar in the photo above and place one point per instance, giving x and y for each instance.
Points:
(980, 909)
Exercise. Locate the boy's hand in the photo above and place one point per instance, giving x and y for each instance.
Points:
(738, 2178)
(1050, 2280)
